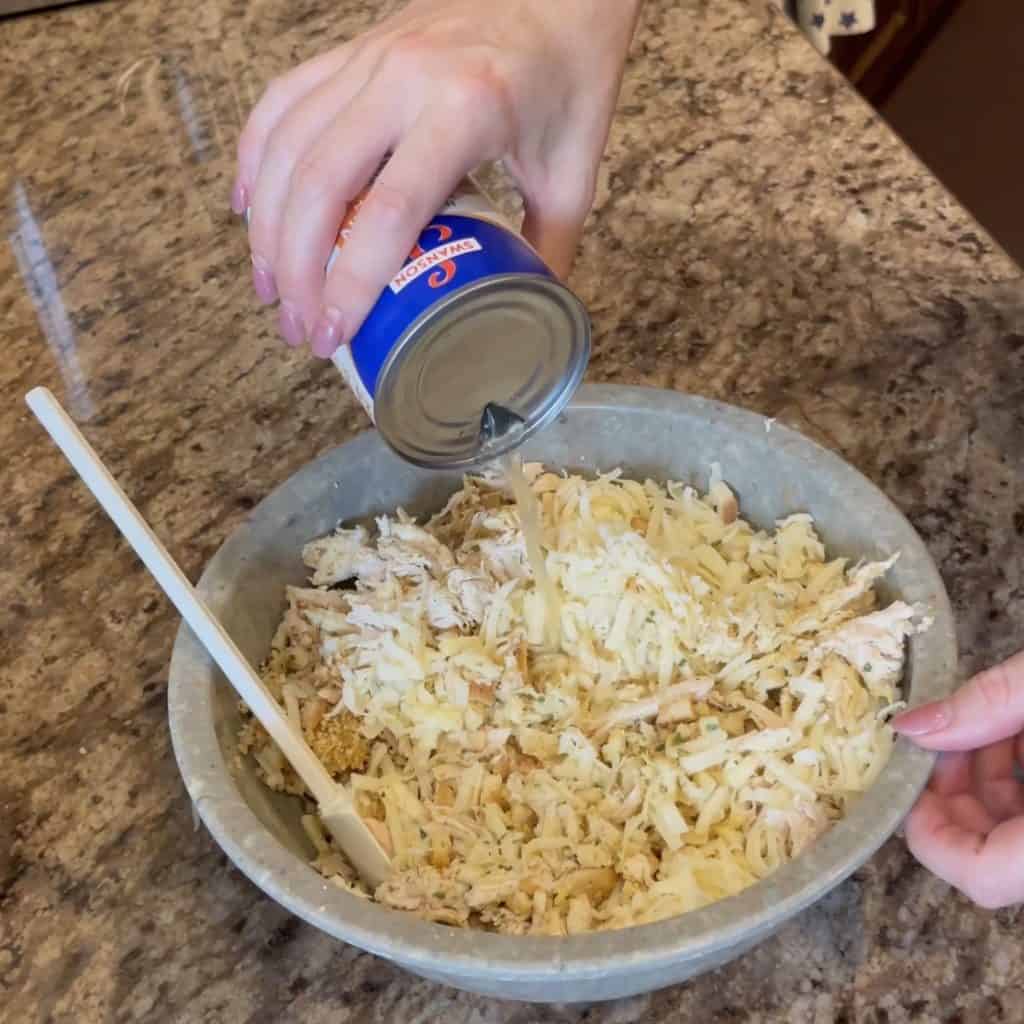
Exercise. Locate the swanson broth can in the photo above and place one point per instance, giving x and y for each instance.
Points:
(473, 346)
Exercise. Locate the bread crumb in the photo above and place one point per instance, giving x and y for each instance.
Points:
(336, 741)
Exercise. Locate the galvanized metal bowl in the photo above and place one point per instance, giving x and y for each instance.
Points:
(657, 434)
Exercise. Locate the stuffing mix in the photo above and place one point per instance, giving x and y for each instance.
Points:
(714, 698)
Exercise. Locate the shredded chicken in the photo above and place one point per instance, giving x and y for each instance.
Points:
(717, 696)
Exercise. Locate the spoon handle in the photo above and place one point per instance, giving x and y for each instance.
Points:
(175, 584)
(336, 805)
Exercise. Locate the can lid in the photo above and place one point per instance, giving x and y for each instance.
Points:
(510, 349)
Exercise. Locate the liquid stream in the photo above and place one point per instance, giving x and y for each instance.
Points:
(529, 510)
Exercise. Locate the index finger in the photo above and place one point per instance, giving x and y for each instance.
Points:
(411, 189)
(277, 99)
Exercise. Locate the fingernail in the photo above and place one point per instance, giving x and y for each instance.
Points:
(239, 198)
(928, 718)
(263, 280)
(327, 334)
(290, 322)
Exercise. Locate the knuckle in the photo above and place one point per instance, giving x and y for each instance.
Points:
(258, 128)
(264, 114)
(389, 204)
(312, 176)
(290, 278)
(277, 149)
(349, 289)
(565, 214)
(480, 90)
(472, 88)
(567, 190)
(263, 234)
(995, 689)
(408, 49)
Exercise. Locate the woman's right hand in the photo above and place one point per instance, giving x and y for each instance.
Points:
(442, 86)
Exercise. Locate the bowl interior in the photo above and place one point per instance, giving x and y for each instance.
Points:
(662, 435)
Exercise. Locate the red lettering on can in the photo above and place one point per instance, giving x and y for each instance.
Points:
(441, 277)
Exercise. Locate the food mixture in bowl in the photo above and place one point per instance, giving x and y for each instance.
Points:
(662, 711)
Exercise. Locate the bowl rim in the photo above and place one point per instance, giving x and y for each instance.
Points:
(400, 936)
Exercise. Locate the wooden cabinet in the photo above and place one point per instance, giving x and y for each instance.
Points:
(875, 63)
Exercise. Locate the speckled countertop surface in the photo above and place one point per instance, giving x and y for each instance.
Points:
(760, 237)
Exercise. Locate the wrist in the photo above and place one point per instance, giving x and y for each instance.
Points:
(603, 26)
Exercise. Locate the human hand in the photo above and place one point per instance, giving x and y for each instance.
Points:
(968, 826)
(442, 86)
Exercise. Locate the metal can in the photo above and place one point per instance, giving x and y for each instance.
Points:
(473, 346)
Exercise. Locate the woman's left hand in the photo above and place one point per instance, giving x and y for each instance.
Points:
(968, 826)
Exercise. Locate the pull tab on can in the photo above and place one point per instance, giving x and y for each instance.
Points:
(496, 423)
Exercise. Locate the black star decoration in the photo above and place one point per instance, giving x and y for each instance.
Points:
(847, 19)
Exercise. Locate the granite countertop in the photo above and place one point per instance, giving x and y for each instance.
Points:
(759, 237)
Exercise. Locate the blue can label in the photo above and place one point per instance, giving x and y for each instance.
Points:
(466, 242)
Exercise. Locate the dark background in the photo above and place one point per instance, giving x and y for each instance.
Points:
(949, 77)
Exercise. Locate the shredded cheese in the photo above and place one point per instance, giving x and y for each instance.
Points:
(717, 697)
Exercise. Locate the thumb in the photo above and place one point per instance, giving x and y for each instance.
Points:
(986, 709)
(554, 223)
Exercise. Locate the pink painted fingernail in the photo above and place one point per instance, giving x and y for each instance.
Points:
(239, 198)
(290, 322)
(263, 281)
(327, 335)
(928, 718)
